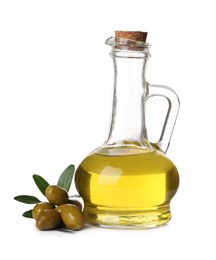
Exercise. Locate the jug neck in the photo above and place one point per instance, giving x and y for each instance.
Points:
(127, 126)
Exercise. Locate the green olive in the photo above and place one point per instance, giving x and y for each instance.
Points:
(59, 208)
(72, 217)
(40, 207)
(48, 219)
(76, 203)
(56, 195)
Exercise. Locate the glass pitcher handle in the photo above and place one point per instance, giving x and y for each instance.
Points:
(171, 116)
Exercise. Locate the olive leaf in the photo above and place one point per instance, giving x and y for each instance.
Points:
(28, 199)
(75, 196)
(41, 183)
(28, 214)
(66, 177)
(62, 229)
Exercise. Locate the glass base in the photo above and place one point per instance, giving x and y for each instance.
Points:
(131, 219)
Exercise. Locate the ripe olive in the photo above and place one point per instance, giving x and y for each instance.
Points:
(48, 219)
(56, 195)
(72, 217)
(40, 207)
(76, 203)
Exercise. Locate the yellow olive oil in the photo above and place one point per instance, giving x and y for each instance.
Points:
(127, 187)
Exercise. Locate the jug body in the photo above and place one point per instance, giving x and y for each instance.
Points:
(128, 182)
(127, 187)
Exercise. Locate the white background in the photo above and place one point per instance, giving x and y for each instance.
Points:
(55, 100)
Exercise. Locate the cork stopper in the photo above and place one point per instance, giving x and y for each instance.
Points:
(132, 35)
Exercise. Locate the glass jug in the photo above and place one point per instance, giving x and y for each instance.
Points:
(128, 182)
